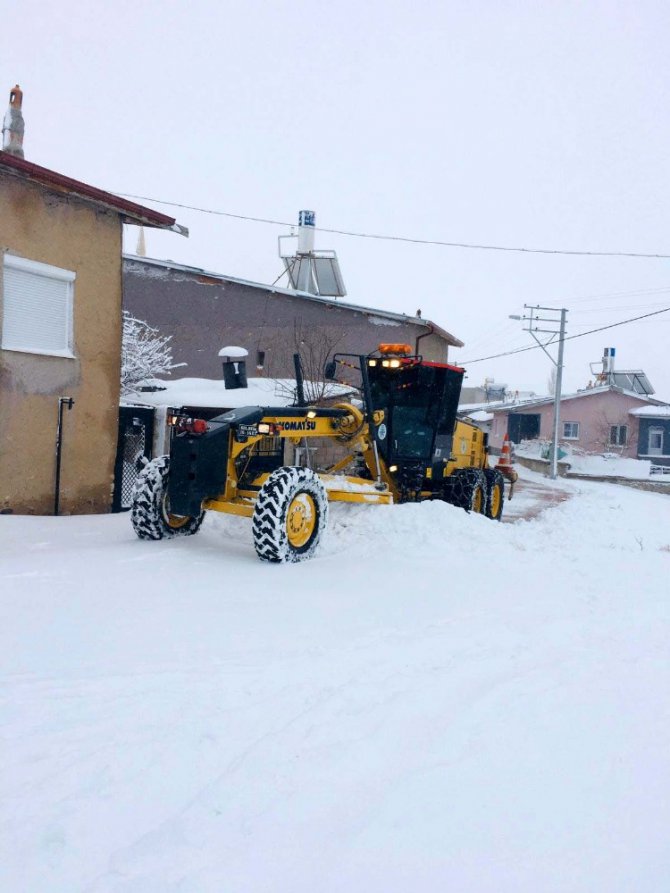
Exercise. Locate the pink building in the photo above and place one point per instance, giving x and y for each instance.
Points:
(595, 420)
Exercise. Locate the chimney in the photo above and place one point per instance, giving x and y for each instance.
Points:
(306, 224)
(234, 367)
(13, 126)
(141, 250)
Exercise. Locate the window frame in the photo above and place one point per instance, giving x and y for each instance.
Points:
(654, 429)
(617, 440)
(571, 436)
(48, 271)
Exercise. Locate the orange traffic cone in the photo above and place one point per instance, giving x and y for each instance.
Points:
(505, 460)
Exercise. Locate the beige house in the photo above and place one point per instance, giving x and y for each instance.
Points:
(60, 315)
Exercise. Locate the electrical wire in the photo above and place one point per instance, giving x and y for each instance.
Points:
(619, 307)
(508, 331)
(613, 325)
(414, 241)
(603, 296)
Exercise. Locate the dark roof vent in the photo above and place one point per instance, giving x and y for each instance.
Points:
(234, 367)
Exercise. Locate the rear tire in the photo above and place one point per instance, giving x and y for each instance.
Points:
(290, 515)
(468, 490)
(495, 494)
(150, 512)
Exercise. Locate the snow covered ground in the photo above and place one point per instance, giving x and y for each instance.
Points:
(602, 466)
(434, 703)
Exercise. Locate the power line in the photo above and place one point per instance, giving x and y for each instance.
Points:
(613, 325)
(588, 299)
(645, 306)
(408, 239)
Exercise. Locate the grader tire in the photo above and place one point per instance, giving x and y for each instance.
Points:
(150, 513)
(468, 490)
(290, 515)
(495, 494)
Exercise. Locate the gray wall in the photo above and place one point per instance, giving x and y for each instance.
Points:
(204, 313)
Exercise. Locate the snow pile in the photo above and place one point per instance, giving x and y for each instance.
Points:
(434, 702)
(212, 393)
(604, 465)
(610, 465)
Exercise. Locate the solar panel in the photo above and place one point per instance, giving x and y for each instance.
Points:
(633, 381)
(317, 273)
(328, 277)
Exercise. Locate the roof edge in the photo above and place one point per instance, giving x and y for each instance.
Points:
(129, 211)
(371, 311)
(587, 392)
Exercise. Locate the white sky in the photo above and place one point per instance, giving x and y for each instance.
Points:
(537, 125)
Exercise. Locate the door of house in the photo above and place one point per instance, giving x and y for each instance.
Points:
(523, 426)
(136, 430)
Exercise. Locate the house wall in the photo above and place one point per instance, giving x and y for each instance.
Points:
(45, 226)
(203, 314)
(647, 422)
(595, 414)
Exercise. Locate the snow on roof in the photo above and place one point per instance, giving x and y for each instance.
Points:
(480, 415)
(655, 412)
(492, 406)
(587, 392)
(212, 393)
(377, 316)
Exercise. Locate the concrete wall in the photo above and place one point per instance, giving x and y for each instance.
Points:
(203, 314)
(595, 414)
(45, 226)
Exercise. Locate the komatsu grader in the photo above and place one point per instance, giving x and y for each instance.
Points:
(404, 441)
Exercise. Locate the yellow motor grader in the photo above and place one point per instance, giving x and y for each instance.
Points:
(404, 441)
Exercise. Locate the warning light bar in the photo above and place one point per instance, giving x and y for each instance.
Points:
(402, 350)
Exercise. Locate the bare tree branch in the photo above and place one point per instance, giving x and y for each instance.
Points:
(145, 353)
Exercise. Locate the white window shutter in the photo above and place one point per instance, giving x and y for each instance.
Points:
(37, 307)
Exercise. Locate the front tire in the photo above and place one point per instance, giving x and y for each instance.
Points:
(495, 494)
(290, 515)
(150, 512)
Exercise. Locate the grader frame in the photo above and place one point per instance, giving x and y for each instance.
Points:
(405, 440)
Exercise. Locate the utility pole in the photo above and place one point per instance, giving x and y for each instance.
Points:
(533, 318)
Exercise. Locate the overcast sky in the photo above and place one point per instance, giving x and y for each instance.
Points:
(531, 124)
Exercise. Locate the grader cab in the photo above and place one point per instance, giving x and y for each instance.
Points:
(403, 443)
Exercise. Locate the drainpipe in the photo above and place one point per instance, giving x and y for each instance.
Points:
(419, 337)
(69, 402)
